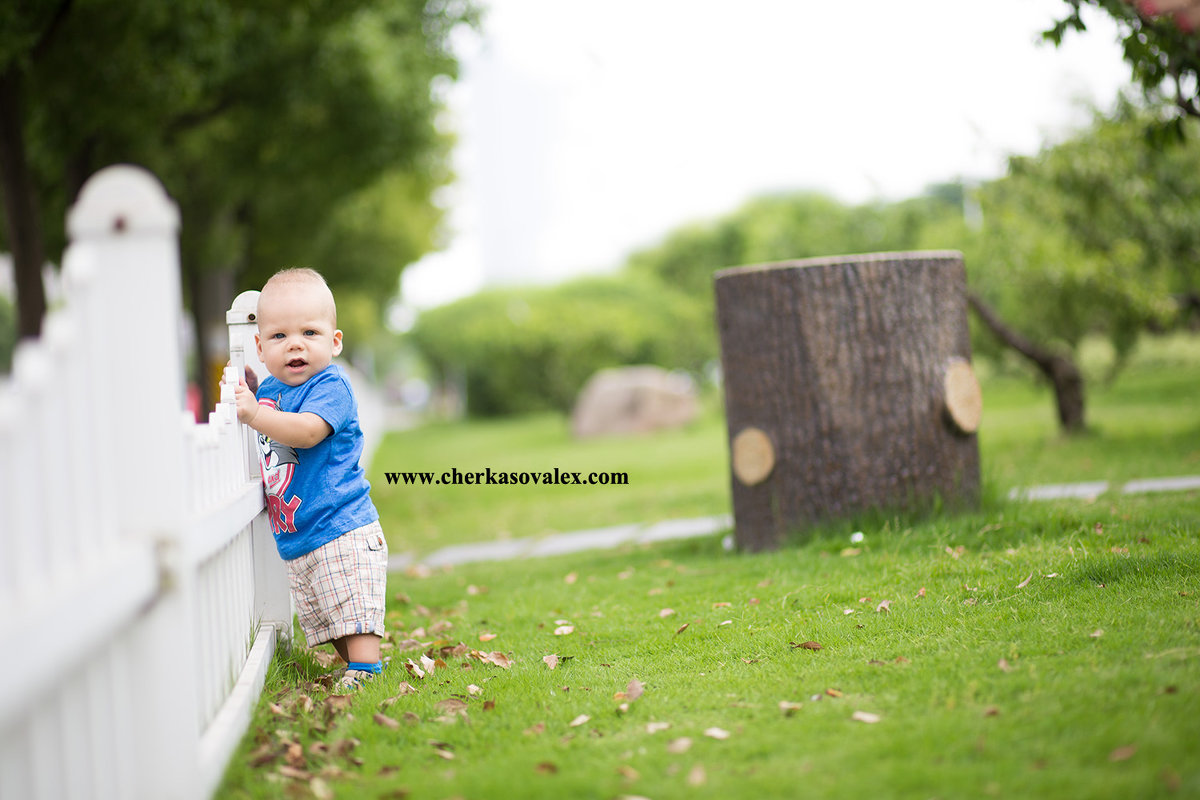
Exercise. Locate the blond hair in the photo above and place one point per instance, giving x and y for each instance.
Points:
(292, 276)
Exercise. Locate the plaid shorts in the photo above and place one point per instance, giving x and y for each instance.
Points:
(341, 587)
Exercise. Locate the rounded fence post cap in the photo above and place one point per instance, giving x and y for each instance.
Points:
(244, 308)
(122, 199)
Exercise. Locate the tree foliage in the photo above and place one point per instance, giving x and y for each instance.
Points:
(522, 350)
(1164, 58)
(1094, 235)
(280, 127)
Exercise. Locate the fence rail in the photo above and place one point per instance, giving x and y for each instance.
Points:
(141, 596)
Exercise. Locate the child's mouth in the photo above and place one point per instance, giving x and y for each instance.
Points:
(297, 363)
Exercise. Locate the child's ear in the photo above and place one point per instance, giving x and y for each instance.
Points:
(258, 346)
(337, 343)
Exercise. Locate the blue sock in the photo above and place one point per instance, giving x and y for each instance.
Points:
(377, 667)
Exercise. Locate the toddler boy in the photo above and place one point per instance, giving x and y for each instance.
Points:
(326, 527)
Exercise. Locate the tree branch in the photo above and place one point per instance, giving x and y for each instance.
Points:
(1061, 371)
(44, 41)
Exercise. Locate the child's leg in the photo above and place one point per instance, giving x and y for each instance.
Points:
(359, 647)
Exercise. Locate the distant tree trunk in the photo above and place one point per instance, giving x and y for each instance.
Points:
(21, 209)
(1061, 371)
(848, 388)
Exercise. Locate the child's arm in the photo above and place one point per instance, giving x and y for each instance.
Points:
(300, 430)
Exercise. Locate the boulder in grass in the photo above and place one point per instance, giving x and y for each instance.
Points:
(637, 399)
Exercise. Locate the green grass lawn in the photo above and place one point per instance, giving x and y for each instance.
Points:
(1046, 651)
(1146, 424)
(673, 474)
(1024, 650)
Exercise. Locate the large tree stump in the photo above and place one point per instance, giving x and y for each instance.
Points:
(848, 388)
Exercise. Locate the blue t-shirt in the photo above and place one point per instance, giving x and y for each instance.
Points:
(315, 494)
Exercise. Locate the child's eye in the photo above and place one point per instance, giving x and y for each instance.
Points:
(277, 336)
(310, 333)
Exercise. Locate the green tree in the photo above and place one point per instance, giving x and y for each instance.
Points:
(521, 350)
(1164, 59)
(266, 120)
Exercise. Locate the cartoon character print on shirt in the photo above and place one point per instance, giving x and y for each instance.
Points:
(278, 463)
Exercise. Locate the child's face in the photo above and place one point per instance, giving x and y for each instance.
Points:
(296, 336)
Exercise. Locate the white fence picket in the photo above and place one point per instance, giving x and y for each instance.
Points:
(138, 565)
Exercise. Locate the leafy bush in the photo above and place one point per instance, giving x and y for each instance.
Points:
(530, 349)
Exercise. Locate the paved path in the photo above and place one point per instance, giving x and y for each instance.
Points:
(602, 538)
(562, 543)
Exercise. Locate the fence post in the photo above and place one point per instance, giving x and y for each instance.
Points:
(129, 226)
(243, 325)
(272, 594)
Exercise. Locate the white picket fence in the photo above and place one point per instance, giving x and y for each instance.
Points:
(141, 596)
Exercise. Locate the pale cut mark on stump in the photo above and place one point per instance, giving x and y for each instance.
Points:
(964, 399)
(753, 456)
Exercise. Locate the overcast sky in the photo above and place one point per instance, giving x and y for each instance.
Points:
(589, 129)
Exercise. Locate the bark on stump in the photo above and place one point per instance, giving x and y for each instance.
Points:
(848, 388)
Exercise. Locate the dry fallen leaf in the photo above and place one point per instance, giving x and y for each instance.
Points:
(336, 703)
(428, 664)
(628, 773)
(921, 593)
(472, 689)
(547, 768)
(884, 605)
(571, 577)
(320, 789)
(805, 646)
(850, 552)
(834, 693)
(564, 630)
(991, 711)
(634, 690)
(666, 612)
(386, 721)
(697, 776)
(1123, 753)
(681, 628)
(535, 729)
(413, 669)
(451, 705)
(486, 637)
(722, 605)
(865, 716)
(551, 660)
(655, 727)
(680, 745)
(581, 719)
(291, 772)
(1096, 634)
(1004, 665)
(1025, 582)
(324, 658)
(716, 733)
(788, 708)
(496, 657)
(473, 590)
